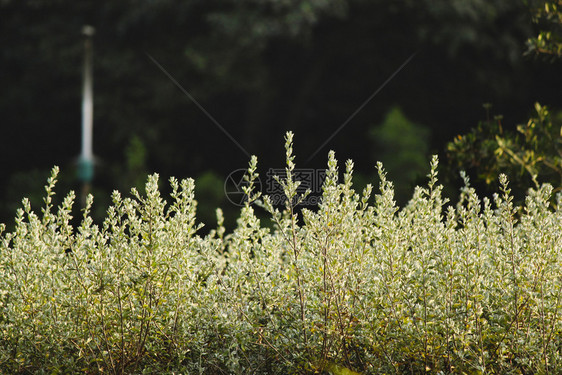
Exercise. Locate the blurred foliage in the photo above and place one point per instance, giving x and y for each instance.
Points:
(135, 158)
(403, 147)
(259, 67)
(494, 27)
(532, 155)
(548, 16)
(26, 184)
(251, 21)
(209, 191)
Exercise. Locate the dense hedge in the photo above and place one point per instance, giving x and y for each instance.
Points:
(352, 287)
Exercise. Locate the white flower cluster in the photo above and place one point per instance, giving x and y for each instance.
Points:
(355, 286)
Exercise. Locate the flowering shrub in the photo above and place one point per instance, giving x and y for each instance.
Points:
(352, 287)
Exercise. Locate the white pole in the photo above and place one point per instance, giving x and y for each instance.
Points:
(86, 163)
(87, 97)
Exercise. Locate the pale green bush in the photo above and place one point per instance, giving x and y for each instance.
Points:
(351, 286)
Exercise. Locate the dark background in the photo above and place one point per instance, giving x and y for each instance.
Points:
(260, 68)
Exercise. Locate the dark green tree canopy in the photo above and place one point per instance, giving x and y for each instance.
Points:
(259, 68)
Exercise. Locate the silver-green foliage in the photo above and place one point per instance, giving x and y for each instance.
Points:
(351, 287)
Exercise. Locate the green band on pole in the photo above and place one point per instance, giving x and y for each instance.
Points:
(85, 170)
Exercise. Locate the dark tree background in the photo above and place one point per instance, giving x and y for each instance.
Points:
(260, 68)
